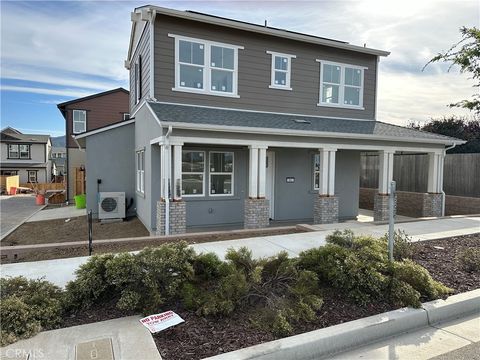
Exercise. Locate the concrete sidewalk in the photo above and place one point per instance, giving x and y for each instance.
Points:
(60, 271)
(426, 343)
(125, 337)
(63, 212)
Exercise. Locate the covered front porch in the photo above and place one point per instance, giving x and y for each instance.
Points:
(208, 182)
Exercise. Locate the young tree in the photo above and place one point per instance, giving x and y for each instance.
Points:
(466, 54)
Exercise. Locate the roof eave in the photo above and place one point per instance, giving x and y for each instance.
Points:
(273, 131)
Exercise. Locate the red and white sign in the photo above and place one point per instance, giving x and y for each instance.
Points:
(159, 322)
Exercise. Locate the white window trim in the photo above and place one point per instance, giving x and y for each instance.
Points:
(84, 122)
(232, 174)
(207, 68)
(32, 172)
(138, 79)
(140, 171)
(287, 85)
(341, 90)
(126, 116)
(196, 173)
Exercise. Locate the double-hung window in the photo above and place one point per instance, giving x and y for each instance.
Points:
(193, 173)
(138, 79)
(140, 169)
(19, 151)
(341, 85)
(281, 70)
(221, 173)
(32, 176)
(79, 121)
(205, 67)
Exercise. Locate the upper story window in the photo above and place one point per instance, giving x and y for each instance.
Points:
(341, 85)
(138, 79)
(126, 116)
(205, 67)
(79, 121)
(281, 70)
(19, 151)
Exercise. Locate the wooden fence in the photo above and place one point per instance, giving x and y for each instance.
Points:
(461, 174)
(45, 186)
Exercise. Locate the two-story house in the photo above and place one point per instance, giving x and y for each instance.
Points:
(25, 155)
(240, 124)
(86, 114)
(59, 159)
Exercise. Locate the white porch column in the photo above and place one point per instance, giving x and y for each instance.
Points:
(262, 171)
(177, 172)
(253, 173)
(435, 173)
(327, 172)
(162, 171)
(385, 175)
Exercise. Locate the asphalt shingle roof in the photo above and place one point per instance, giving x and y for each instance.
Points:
(25, 138)
(224, 117)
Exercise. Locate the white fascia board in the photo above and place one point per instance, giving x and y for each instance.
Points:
(268, 31)
(106, 128)
(337, 135)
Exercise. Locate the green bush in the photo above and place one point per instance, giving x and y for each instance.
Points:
(402, 245)
(138, 282)
(469, 259)
(358, 266)
(27, 307)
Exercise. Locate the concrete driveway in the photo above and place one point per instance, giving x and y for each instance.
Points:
(14, 210)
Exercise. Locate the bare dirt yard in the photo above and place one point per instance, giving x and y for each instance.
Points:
(76, 229)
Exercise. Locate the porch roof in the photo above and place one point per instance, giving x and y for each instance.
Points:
(172, 114)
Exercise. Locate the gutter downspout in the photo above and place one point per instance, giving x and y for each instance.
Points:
(443, 192)
(167, 181)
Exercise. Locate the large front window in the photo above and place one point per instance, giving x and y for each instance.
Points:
(193, 172)
(221, 173)
(205, 67)
(341, 85)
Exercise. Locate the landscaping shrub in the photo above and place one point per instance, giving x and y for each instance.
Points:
(27, 307)
(281, 293)
(402, 245)
(139, 282)
(469, 260)
(358, 266)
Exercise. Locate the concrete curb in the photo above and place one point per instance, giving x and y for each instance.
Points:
(453, 307)
(338, 338)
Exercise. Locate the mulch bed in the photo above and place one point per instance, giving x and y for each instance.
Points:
(442, 263)
(200, 337)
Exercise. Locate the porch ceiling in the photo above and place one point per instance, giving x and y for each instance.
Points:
(206, 117)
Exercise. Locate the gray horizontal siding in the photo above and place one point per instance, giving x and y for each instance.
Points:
(143, 49)
(255, 71)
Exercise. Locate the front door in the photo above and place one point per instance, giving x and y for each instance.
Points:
(270, 182)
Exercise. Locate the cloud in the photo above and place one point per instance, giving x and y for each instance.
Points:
(45, 91)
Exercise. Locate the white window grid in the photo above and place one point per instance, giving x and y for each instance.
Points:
(79, 119)
(288, 72)
(231, 174)
(141, 171)
(196, 173)
(207, 67)
(341, 85)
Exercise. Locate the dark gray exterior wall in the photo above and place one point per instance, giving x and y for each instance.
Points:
(146, 129)
(111, 158)
(254, 71)
(220, 210)
(143, 49)
(294, 201)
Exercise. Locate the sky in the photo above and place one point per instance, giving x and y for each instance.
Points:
(60, 50)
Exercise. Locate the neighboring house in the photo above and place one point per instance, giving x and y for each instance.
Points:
(59, 160)
(86, 114)
(239, 124)
(25, 155)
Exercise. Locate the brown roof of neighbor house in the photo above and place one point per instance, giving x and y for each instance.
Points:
(13, 135)
(62, 105)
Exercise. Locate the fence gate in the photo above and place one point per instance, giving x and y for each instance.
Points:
(79, 183)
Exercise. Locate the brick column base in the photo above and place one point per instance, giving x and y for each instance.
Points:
(325, 209)
(178, 217)
(380, 207)
(257, 213)
(432, 205)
